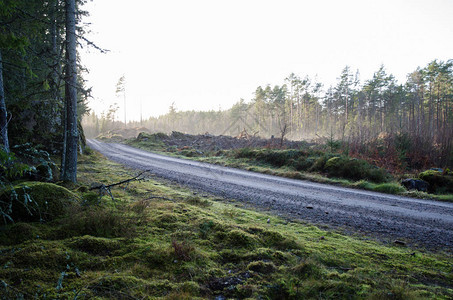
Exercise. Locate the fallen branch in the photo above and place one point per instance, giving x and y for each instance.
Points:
(106, 188)
(158, 197)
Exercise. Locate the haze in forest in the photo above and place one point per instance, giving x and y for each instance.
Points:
(202, 55)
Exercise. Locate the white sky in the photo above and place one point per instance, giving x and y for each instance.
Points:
(206, 54)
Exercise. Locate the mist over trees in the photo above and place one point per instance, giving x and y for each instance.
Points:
(42, 94)
(411, 123)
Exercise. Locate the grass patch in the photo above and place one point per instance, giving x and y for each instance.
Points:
(389, 188)
(161, 241)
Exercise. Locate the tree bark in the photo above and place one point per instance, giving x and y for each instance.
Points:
(3, 113)
(71, 132)
(56, 69)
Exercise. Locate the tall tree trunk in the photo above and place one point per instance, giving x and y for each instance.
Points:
(346, 117)
(431, 110)
(3, 114)
(56, 69)
(71, 134)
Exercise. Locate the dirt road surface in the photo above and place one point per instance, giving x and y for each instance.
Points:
(388, 218)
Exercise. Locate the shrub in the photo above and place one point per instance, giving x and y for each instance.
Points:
(27, 161)
(355, 169)
(31, 154)
(276, 158)
(205, 228)
(303, 164)
(279, 158)
(333, 145)
(245, 153)
(10, 167)
(319, 164)
(378, 175)
(183, 250)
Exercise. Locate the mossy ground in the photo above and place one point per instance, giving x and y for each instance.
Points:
(36, 201)
(161, 241)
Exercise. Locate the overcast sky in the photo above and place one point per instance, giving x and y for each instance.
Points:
(208, 54)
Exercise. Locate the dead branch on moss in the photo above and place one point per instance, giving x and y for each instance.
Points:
(158, 197)
(106, 189)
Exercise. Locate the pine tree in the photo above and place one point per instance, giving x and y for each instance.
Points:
(69, 169)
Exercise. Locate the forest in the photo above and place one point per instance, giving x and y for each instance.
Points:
(42, 90)
(400, 125)
(77, 225)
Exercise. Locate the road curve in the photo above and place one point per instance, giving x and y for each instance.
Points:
(387, 217)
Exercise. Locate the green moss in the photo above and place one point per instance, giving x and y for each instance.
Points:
(166, 220)
(308, 269)
(240, 238)
(438, 182)
(37, 201)
(195, 200)
(126, 287)
(261, 267)
(354, 169)
(190, 288)
(95, 245)
(333, 162)
(39, 255)
(363, 184)
(320, 162)
(278, 257)
(18, 232)
(389, 188)
(99, 221)
(155, 255)
(277, 240)
(191, 153)
(183, 249)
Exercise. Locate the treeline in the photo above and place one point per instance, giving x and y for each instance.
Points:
(411, 123)
(42, 94)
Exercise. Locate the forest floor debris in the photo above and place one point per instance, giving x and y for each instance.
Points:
(201, 142)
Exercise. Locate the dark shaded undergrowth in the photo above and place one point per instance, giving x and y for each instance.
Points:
(159, 241)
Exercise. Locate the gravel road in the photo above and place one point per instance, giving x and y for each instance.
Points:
(386, 217)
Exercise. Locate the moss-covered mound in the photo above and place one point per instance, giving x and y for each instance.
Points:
(438, 182)
(35, 201)
(355, 169)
